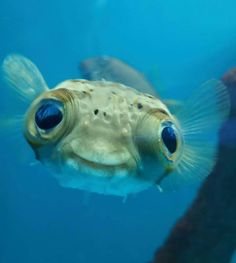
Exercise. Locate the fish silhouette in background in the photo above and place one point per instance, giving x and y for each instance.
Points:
(115, 70)
(111, 134)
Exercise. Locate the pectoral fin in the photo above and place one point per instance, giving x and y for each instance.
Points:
(23, 76)
(200, 120)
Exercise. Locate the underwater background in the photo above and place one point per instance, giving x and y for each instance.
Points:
(176, 44)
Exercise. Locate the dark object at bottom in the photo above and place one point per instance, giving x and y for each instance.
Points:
(207, 232)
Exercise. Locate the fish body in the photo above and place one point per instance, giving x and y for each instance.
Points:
(100, 152)
(106, 137)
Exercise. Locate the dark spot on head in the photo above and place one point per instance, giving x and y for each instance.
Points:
(84, 92)
(139, 105)
(113, 92)
(105, 114)
(162, 111)
(96, 111)
(91, 90)
(149, 96)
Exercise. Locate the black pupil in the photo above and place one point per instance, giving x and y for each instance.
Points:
(48, 115)
(169, 139)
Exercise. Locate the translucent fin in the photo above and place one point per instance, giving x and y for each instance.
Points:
(113, 69)
(159, 188)
(23, 76)
(200, 121)
(11, 126)
(11, 133)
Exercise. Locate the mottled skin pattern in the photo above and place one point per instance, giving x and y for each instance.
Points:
(107, 141)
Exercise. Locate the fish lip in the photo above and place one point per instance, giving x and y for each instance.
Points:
(99, 166)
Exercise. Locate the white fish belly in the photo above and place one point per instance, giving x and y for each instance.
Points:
(120, 183)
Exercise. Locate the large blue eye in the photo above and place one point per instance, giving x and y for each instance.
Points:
(169, 139)
(48, 115)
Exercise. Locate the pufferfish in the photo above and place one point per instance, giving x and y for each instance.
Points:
(105, 136)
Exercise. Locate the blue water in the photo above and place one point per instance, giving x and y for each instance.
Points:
(177, 44)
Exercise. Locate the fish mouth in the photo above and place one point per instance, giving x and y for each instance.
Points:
(82, 162)
(119, 179)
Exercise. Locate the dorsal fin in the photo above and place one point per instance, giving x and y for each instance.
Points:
(113, 69)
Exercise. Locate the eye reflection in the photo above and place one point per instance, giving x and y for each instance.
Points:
(169, 139)
(48, 115)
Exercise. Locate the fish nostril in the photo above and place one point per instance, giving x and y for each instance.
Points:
(48, 115)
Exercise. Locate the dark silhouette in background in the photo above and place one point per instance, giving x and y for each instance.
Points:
(207, 232)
